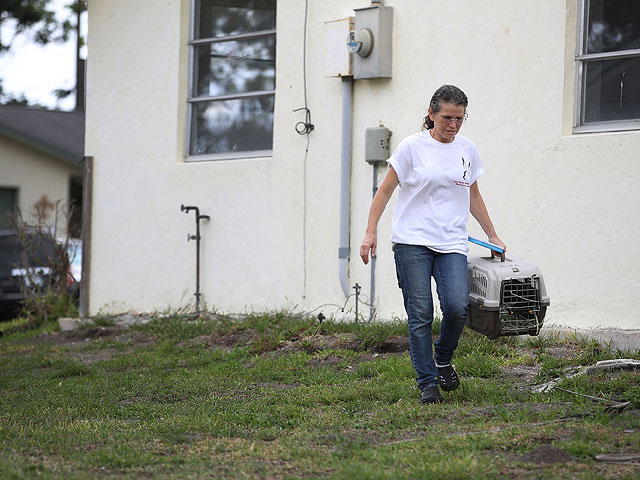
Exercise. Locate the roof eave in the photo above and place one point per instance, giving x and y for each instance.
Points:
(43, 147)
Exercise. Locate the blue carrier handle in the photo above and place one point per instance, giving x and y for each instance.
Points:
(490, 246)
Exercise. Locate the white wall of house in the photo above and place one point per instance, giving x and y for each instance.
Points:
(567, 202)
(35, 174)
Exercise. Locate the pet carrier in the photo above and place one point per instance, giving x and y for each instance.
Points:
(507, 296)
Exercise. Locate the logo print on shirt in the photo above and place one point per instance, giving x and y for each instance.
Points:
(465, 166)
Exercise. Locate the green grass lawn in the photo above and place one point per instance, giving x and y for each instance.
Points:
(275, 396)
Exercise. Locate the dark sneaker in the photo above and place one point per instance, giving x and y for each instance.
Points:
(448, 378)
(431, 395)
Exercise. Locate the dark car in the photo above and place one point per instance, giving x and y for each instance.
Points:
(25, 263)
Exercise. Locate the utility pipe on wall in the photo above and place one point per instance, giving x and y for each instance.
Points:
(345, 185)
(372, 309)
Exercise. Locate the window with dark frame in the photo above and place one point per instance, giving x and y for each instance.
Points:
(8, 203)
(232, 83)
(608, 64)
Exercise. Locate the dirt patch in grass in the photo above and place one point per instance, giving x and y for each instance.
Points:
(84, 335)
(225, 341)
(539, 455)
(318, 342)
(350, 363)
(70, 337)
(313, 343)
(396, 344)
(76, 339)
(563, 350)
(524, 374)
(370, 357)
(328, 361)
(344, 341)
(546, 454)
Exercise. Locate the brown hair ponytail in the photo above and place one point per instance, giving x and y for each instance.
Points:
(448, 94)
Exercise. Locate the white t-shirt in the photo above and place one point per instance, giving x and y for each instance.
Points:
(433, 200)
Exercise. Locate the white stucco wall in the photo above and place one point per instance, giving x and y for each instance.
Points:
(563, 201)
(35, 174)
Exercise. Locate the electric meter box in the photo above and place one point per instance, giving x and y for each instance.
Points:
(379, 20)
(376, 145)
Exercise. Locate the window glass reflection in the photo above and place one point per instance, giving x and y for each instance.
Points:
(612, 90)
(232, 17)
(232, 125)
(236, 67)
(613, 25)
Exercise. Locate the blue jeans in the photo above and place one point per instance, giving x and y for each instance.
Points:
(415, 265)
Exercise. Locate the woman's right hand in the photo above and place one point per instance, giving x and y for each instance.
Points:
(369, 245)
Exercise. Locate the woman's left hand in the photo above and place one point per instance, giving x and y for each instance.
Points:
(496, 241)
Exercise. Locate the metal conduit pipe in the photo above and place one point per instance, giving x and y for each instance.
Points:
(372, 309)
(345, 185)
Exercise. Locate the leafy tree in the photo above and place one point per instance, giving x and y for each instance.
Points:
(37, 20)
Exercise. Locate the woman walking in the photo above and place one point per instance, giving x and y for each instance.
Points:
(437, 171)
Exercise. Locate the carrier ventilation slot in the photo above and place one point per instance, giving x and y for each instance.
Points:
(479, 283)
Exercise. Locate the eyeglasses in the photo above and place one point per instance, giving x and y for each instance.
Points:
(448, 119)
